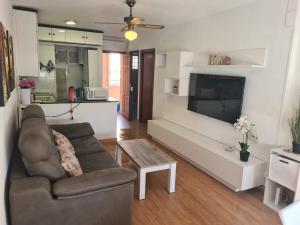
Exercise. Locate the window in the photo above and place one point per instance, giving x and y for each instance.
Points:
(135, 62)
(114, 68)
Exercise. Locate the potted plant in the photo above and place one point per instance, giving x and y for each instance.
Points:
(295, 131)
(25, 90)
(247, 129)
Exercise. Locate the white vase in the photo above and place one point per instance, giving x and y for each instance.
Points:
(25, 96)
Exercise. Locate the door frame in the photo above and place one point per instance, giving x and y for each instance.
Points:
(151, 50)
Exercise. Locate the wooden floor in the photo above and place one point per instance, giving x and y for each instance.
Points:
(198, 200)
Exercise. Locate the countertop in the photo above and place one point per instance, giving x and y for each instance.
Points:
(66, 101)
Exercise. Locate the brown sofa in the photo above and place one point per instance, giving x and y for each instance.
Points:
(40, 192)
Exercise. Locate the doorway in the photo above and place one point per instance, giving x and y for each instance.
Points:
(115, 77)
(146, 85)
(111, 74)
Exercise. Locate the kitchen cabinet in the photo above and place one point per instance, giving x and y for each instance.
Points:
(51, 34)
(26, 43)
(44, 34)
(75, 36)
(58, 34)
(70, 36)
(94, 69)
(93, 38)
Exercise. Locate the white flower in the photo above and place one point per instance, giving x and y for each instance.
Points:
(245, 126)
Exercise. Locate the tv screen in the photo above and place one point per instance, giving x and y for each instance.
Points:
(216, 96)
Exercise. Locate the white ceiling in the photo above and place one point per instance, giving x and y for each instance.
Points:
(164, 12)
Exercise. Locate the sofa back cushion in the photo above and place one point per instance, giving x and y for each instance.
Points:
(39, 153)
(33, 111)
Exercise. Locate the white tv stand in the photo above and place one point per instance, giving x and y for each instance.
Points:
(209, 155)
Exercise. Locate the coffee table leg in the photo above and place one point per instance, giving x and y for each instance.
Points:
(142, 184)
(172, 178)
(118, 155)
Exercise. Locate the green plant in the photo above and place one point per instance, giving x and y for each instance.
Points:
(295, 126)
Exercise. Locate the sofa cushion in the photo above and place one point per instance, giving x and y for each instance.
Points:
(87, 145)
(39, 153)
(69, 160)
(97, 161)
(33, 111)
(74, 130)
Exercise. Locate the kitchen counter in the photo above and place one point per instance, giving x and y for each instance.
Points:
(66, 101)
(102, 115)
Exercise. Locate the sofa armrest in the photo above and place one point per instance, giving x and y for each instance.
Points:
(93, 181)
(74, 130)
(31, 189)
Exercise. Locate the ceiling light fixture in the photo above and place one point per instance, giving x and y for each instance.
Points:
(130, 35)
(70, 22)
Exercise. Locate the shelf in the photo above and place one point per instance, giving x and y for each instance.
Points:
(177, 87)
(240, 59)
(270, 194)
(229, 67)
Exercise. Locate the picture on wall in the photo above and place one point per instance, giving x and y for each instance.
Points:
(11, 73)
(4, 61)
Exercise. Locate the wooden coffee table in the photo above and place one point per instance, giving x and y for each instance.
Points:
(148, 158)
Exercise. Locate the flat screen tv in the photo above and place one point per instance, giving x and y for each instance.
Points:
(216, 96)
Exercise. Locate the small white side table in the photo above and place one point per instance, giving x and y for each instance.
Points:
(283, 176)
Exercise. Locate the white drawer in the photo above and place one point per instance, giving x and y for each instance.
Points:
(284, 171)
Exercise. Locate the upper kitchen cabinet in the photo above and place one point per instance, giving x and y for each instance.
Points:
(58, 34)
(93, 38)
(26, 42)
(61, 34)
(45, 34)
(75, 36)
(51, 34)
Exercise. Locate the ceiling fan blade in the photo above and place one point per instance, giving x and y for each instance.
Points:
(150, 26)
(108, 23)
(126, 28)
(136, 20)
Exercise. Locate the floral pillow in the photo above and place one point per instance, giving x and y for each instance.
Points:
(66, 150)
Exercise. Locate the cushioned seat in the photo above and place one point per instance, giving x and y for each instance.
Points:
(87, 145)
(41, 193)
(96, 161)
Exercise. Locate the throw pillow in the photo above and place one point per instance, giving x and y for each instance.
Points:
(66, 150)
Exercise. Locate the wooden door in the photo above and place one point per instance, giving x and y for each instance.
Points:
(125, 85)
(147, 80)
(134, 73)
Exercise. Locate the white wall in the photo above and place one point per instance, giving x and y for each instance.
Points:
(292, 93)
(8, 119)
(258, 25)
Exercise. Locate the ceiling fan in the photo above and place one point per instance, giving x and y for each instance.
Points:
(132, 22)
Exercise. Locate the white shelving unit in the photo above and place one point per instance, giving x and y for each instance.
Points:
(177, 65)
(209, 155)
(283, 179)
